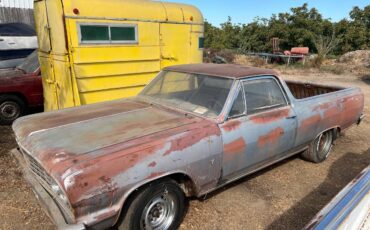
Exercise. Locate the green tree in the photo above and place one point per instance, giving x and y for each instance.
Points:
(302, 26)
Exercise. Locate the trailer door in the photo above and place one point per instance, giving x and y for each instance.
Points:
(46, 64)
(175, 44)
(42, 26)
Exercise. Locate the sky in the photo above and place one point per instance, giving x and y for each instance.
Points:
(244, 11)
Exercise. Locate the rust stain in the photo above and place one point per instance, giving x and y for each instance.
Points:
(90, 112)
(351, 110)
(271, 116)
(152, 164)
(271, 137)
(231, 125)
(323, 106)
(192, 137)
(310, 122)
(154, 175)
(332, 113)
(236, 146)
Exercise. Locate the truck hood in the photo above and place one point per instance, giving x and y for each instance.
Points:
(59, 139)
(7, 73)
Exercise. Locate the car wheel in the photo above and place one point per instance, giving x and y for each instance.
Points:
(11, 107)
(320, 148)
(161, 205)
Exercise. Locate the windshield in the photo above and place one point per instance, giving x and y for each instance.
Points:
(201, 94)
(30, 64)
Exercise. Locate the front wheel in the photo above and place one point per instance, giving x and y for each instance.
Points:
(11, 107)
(320, 148)
(159, 206)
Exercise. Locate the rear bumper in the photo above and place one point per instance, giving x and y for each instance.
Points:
(46, 201)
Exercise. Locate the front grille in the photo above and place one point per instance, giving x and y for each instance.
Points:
(37, 169)
(48, 183)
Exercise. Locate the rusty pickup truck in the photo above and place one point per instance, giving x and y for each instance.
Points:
(20, 89)
(131, 163)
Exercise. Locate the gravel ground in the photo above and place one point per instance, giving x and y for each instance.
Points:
(284, 196)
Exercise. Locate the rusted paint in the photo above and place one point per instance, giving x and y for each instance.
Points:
(310, 122)
(231, 125)
(270, 116)
(88, 112)
(154, 175)
(237, 146)
(323, 106)
(270, 138)
(351, 110)
(192, 137)
(152, 164)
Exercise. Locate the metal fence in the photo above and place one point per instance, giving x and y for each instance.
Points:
(11, 14)
(24, 4)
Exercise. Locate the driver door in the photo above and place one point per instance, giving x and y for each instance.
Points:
(261, 127)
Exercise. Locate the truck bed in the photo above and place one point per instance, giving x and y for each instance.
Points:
(302, 90)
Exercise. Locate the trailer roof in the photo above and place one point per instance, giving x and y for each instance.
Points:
(222, 70)
(133, 10)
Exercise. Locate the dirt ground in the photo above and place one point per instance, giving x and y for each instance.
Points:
(284, 196)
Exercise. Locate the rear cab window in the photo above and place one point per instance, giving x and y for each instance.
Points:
(263, 94)
(257, 95)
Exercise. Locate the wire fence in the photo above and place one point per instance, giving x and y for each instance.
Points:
(11, 14)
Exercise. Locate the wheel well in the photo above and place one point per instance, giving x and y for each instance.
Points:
(184, 181)
(336, 132)
(19, 95)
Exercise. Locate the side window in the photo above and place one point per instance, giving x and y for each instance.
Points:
(263, 94)
(201, 42)
(90, 34)
(94, 33)
(127, 33)
(238, 108)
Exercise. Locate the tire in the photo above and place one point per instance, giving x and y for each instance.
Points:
(320, 148)
(160, 205)
(11, 107)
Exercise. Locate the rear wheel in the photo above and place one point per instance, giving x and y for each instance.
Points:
(320, 148)
(159, 206)
(11, 107)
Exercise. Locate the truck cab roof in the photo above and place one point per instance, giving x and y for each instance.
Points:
(221, 70)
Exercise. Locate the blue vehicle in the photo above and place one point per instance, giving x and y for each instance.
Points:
(350, 209)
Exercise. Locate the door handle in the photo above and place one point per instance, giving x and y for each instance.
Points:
(292, 117)
(170, 58)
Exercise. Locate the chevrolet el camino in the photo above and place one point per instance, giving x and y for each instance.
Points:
(132, 163)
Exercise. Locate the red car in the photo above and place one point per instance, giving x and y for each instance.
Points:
(20, 89)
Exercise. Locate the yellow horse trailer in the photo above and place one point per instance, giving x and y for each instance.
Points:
(98, 50)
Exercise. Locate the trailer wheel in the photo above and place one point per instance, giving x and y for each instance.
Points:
(320, 148)
(11, 107)
(160, 205)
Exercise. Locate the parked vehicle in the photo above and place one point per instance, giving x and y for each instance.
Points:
(350, 209)
(193, 129)
(20, 89)
(106, 50)
(17, 41)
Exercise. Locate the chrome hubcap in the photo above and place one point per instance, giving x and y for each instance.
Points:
(9, 110)
(324, 144)
(159, 213)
